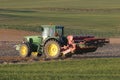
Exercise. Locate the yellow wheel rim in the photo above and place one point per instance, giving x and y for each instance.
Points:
(52, 49)
(23, 50)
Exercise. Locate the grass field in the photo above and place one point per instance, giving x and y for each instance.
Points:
(95, 17)
(99, 17)
(83, 69)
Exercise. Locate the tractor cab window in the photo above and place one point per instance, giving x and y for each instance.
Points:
(45, 33)
(52, 31)
(59, 30)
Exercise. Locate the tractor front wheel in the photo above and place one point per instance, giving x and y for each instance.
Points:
(25, 50)
(52, 49)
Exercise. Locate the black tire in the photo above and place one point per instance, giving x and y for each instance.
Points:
(52, 49)
(25, 50)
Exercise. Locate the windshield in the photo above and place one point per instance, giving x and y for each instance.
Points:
(51, 31)
(45, 33)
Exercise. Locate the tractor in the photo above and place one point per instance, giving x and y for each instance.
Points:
(52, 43)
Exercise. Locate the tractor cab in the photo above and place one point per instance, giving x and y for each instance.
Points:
(52, 31)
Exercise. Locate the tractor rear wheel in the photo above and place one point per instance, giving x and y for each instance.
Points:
(25, 50)
(52, 49)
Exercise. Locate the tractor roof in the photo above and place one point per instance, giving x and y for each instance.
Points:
(51, 26)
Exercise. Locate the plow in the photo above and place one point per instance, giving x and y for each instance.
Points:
(53, 44)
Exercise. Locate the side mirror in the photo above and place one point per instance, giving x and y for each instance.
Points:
(42, 29)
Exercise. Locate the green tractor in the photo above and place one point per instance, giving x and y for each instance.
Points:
(47, 44)
(53, 44)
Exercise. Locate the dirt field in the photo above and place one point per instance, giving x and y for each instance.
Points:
(9, 38)
(14, 35)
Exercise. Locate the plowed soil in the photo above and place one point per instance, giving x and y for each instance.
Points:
(9, 38)
(14, 35)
